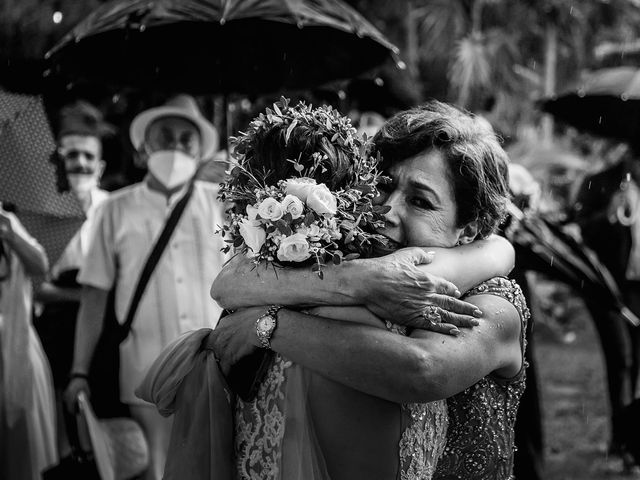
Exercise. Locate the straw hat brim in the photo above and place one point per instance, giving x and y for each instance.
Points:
(208, 133)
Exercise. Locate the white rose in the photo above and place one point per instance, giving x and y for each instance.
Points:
(252, 212)
(294, 248)
(299, 187)
(253, 235)
(270, 209)
(293, 205)
(321, 200)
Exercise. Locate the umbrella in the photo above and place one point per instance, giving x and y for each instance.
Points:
(605, 102)
(220, 46)
(27, 177)
(541, 245)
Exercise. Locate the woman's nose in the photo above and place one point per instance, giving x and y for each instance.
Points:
(392, 217)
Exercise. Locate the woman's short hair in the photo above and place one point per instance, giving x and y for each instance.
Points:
(477, 164)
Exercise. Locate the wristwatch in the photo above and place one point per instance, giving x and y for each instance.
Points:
(266, 324)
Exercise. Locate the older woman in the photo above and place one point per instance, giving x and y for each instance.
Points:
(449, 188)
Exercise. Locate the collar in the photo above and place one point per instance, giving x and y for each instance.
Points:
(169, 201)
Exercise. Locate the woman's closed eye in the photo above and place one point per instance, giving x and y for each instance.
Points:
(420, 202)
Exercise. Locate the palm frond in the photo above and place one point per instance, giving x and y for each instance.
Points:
(471, 68)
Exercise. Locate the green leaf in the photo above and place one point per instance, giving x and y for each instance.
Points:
(238, 241)
(351, 256)
(283, 227)
(309, 218)
(288, 133)
(337, 259)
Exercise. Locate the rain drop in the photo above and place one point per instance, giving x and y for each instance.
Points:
(589, 186)
(600, 120)
(534, 65)
(551, 261)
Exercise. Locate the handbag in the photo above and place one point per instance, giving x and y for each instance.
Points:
(104, 372)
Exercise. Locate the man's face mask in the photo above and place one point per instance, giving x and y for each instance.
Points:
(173, 145)
(172, 168)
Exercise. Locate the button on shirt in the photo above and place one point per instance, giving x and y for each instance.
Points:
(177, 298)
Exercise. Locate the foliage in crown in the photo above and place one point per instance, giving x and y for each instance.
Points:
(299, 219)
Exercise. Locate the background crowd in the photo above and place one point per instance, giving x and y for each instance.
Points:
(70, 139)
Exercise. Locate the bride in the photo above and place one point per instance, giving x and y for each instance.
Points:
(368, 402)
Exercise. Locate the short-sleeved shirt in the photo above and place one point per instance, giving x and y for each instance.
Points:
(177, 297)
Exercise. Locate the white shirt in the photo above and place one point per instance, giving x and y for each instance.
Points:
(177, 298)
(76, 249)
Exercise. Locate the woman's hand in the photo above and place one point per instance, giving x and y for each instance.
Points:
(235, 337)
(399, 291)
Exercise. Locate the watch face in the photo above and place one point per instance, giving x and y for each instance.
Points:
(266, 323)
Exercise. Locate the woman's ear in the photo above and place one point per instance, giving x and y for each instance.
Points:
(468, 233)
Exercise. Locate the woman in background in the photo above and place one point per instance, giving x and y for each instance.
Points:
(27, 404)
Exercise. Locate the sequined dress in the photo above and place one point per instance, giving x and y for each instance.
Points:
(480, 439)
(274, 436)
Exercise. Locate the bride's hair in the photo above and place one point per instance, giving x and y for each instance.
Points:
(277, 146)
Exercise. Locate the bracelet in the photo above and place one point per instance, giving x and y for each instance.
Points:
(73, 375)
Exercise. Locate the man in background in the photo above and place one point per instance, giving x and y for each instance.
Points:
(173, 140)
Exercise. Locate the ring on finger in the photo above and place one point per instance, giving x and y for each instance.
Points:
(432, 315)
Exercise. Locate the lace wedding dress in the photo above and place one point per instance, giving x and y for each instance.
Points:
(274, 437)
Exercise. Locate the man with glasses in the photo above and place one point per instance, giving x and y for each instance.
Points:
(173, 140)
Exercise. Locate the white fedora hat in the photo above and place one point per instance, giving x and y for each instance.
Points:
(183, 106)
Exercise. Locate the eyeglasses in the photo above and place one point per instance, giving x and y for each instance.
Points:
(75, 154)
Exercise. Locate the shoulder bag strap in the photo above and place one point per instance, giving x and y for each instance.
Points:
(153, 259)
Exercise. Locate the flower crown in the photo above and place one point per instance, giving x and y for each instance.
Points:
(298, 219)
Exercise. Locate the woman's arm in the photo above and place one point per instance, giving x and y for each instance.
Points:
(424, 367)
(31, 254)
(397, 286)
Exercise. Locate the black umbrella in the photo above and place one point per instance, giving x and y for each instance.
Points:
(220, 46)
(541, 245)
(605, 102)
